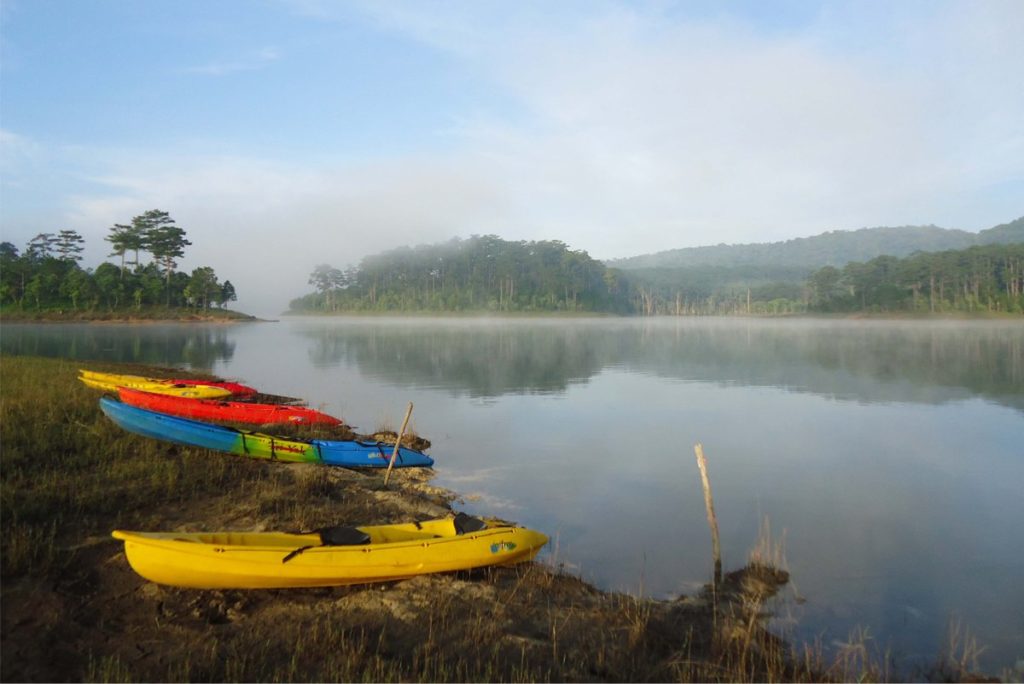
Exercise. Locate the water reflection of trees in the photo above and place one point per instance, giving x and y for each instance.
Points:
(197, 346)
(858, 361)
(480, 360)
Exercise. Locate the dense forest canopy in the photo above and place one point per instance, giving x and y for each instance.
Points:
(46, 276)
(989, 278)
(482, 272)
(486, 273)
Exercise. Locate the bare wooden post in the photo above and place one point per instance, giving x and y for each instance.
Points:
(398, 443)
(709, 504)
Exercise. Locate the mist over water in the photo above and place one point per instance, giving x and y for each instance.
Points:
(890, 455)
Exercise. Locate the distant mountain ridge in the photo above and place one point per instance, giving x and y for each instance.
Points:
(833, 248)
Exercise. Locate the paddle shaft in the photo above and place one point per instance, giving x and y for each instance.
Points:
(398, 443)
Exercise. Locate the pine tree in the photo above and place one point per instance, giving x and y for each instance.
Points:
(164, 240)
(68, 245)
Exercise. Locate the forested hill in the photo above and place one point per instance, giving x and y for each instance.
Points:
(834, 248)
(487, 273)
(482, 273)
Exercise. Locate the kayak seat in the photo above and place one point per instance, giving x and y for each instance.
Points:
(336, 535)
(464, 524)
(339, 535)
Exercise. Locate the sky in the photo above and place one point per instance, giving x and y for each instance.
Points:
(282, 134)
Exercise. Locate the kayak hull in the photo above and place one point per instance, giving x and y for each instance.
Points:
(349, 454)
(234, 411)
(240, 560)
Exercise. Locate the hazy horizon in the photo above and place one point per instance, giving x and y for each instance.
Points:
(288, 133)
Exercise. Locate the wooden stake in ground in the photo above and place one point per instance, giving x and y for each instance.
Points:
(401, 433)
(709, 504)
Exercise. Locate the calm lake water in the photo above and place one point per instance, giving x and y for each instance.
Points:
(889, 455)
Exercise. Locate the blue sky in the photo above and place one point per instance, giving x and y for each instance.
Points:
(286, 133)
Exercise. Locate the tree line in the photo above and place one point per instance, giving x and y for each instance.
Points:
(47, 274)
(479, 273)
(986, 278)
(486, 273)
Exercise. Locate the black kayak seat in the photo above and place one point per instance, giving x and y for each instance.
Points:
(335, 535)
(340, 535)
(464, 524)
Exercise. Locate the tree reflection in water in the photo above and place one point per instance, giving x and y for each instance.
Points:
(864, 361)
(195, 345)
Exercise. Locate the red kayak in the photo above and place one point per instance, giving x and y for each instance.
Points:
(234, 411)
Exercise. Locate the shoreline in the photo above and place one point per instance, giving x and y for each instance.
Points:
(71, 476)
(952, 315)
(227, 317)
(230, 317)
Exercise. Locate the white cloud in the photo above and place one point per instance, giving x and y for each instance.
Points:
(633, 132)
(642, 132)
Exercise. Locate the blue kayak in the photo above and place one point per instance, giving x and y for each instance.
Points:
(350, 454)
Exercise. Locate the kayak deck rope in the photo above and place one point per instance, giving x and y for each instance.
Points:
(387, 457)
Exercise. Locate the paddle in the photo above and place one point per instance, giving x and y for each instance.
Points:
(401, 433)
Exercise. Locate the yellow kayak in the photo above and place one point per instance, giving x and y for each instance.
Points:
(109, 382)
(331, 557)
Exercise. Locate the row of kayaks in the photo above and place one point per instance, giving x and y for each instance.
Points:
(180, 411)
(344, 453)
(203, 400)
